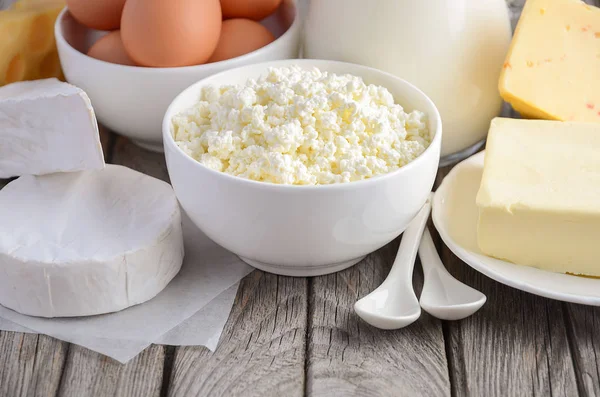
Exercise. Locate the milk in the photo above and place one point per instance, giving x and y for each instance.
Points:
(453, 50)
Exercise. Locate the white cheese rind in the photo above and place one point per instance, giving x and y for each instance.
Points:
(87, 243)
(47, 126)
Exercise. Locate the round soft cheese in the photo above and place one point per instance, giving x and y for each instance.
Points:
(86, 243)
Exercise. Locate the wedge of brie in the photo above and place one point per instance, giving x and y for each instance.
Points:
(47, 126)
(85, 243)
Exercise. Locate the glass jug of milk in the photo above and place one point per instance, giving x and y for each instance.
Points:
(453, 50)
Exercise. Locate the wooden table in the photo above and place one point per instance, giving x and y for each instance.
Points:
(299, 336)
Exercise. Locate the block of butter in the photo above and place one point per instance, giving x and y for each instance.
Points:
(27, 45)
(539, 199)
(552, 70)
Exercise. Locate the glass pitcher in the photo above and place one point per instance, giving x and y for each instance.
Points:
(453, 50)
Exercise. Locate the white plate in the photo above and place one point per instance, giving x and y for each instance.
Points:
(455, 217)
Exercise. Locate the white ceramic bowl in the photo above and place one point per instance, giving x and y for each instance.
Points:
(132, 100)
(303, 230)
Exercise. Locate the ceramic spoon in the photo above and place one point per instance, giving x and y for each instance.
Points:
(394, 305)
(444, 296)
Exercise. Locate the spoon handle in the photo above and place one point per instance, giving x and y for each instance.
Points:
(409, 245)
(430, 258)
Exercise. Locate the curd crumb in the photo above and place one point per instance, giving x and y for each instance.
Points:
(301, 127)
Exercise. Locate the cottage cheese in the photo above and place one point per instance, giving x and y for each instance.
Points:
(302, 127)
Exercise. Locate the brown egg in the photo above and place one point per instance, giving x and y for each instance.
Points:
(252, 9)
(240, 36)
(168, 33)
(97, 14)
(110, 49)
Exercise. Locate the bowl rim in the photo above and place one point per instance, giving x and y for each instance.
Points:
(293, 29)
(168, 139)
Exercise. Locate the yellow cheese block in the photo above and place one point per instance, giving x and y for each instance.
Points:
(552, 70)
(27, 45)
(539, 199)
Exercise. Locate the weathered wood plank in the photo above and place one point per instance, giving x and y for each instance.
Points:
(583, 325)
(107, 140)
(30, 365)
(17, 359)
(515, 345)
(88, 373)
(262, 349)
(347, 357)
(132, 156)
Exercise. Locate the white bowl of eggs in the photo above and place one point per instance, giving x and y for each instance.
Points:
(302, 167)
(132, 57)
